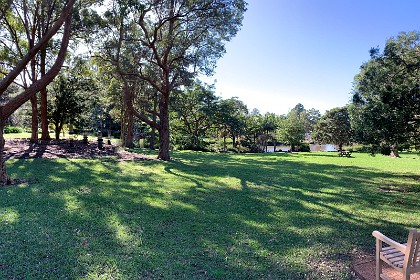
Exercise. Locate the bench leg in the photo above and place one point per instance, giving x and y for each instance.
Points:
(378, 259)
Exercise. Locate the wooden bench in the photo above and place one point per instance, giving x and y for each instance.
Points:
(344, 154)
(405, 258)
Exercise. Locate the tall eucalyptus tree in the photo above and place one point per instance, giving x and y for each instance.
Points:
(18, 54)
(167, 43)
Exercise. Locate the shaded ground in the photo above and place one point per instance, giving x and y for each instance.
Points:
(24, 149)
(365, 270)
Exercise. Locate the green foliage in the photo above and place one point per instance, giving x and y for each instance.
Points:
(304, 147)
(230, 119)
(194, 115)
(13, 129)
(292, 128)
(71, 97)
(334, 127)
(386, 99)
(165, 44)
(213, 216)
(312, 117)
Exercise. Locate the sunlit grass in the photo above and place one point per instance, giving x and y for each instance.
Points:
(203, 216)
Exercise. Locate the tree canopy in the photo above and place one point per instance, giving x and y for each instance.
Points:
(334, 127)
(386, 100)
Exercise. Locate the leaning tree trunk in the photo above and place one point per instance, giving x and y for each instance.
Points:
(164, 128)
(13, 104)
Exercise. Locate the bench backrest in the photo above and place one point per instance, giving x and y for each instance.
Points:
(412, 258)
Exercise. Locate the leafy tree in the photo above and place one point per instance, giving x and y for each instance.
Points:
(230, 118)
(312, 116)
(292, 129)
(194, 109)
(334, 127)
(167, 43)
(386, 102)
(12, 68)
(72, 95)
(253, 128)
(270, 123)
(25, 23)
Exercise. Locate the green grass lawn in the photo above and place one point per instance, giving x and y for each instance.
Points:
(203, 216)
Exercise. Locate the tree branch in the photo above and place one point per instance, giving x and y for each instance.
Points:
(11, 106)
(6, 81)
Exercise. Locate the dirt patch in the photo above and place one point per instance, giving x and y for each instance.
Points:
(24, 149)
(388, 189)
(365, 270)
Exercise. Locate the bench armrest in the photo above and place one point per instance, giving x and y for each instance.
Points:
(400, 247)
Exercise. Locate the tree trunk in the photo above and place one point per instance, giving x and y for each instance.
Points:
(129, 128)
(129, 115)
(34, 122)
(394, 151)
(44, 100)
(122, 126)
(4, 178)
(57, 130)
(153, 133)
(164, 128)
(44, 118)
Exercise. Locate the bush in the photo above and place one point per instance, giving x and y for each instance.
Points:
(385, 150)
(13, 129)
(372, 149)
(304, 148)
(250, 147)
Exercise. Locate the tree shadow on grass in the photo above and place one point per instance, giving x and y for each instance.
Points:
(332, 208)
(199, 217)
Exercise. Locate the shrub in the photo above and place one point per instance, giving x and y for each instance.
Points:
(250, 147)
(372, 149)
(385, 150)
(13, 129)
(304, 148)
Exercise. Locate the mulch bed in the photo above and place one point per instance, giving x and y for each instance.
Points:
(24, 149)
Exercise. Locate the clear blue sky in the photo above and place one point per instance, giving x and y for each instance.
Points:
(307, 51)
